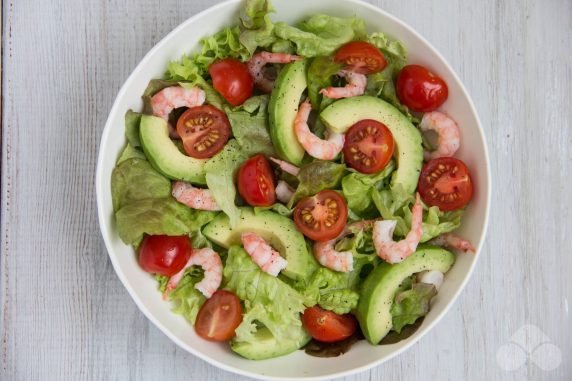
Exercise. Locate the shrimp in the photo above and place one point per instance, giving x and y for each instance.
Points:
(195, 198)
(268, 259)
(448, 140)
(286, 167)
(453, 241)
(342, 261)
(284, 192)
(433, 277)
(210, 262)
(174, 97)
(258, 61)
(356, 83)
(395, 252)
(316, 147)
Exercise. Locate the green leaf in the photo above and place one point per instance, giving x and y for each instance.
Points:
(135, 179)
(220, 173)
(395, 204)
(357, 188)
(320, 34)
(187, 299)
(223, 44)
(249, 124)
(317, 176)
(412, 304)
(271, 306)
(132, 121)
(156, 216)
(256, 28)
(129, 152)
(319, 75)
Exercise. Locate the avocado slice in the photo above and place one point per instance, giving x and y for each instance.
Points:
(343, 114)
(278, 230)
(380, 287)
(282, 109)
(266, 346)
(164, 155)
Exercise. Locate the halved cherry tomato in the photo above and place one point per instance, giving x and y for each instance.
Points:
(163, 254)
(219, 316)
(421, 90)
(369, 146)
(321, 217)
(361, 57)
(204, 130)
(327, 326)
(256, 183)
(445, 182)
(232, 80)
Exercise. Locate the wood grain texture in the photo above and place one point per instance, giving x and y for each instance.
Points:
(64, 313)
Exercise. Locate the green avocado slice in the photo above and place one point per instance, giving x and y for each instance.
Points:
(343, 114)
(381, 285)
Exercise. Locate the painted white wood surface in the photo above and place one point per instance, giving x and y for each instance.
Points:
(64, 313)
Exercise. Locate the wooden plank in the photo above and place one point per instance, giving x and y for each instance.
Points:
(65, 315)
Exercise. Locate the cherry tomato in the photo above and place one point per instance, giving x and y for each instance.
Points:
(204, 130)
(232, 80)
(445, 182)
(361, 57)
(321, 217)
(327, 326)
(219, 316)
(163, 254)
(369, 146)
(421, 90)
(256, 183)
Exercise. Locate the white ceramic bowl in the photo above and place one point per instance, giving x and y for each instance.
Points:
(143, 288)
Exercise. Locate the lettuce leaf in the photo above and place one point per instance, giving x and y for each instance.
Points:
(412, 304)
(135, 179)
(186, 298)
(256, 29)
(220, 45)
(132, 121)
(272, 308)
(249, 126)
(320, 34)
(396, 204)
(130, 152)
(357, 188)
(320, 73)
(220, 172)
(331, 290)
(158, 216)
(317, 176)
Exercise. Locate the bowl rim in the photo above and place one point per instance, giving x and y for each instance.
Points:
(101, 187)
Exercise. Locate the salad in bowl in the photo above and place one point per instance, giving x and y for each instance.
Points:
(294, 186)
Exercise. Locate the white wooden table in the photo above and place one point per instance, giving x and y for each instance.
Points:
(64, 313)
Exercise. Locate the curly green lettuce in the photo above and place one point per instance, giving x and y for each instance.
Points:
(272, 309)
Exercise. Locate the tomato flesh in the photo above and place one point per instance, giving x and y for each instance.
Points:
(232, 80)
(219, 316)
(361, 57)
(165, 255)
(321, 217)
(256, 182)
(327, 326)
(369, 146)
(446, 183)
(420, 89)
(204, 131)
